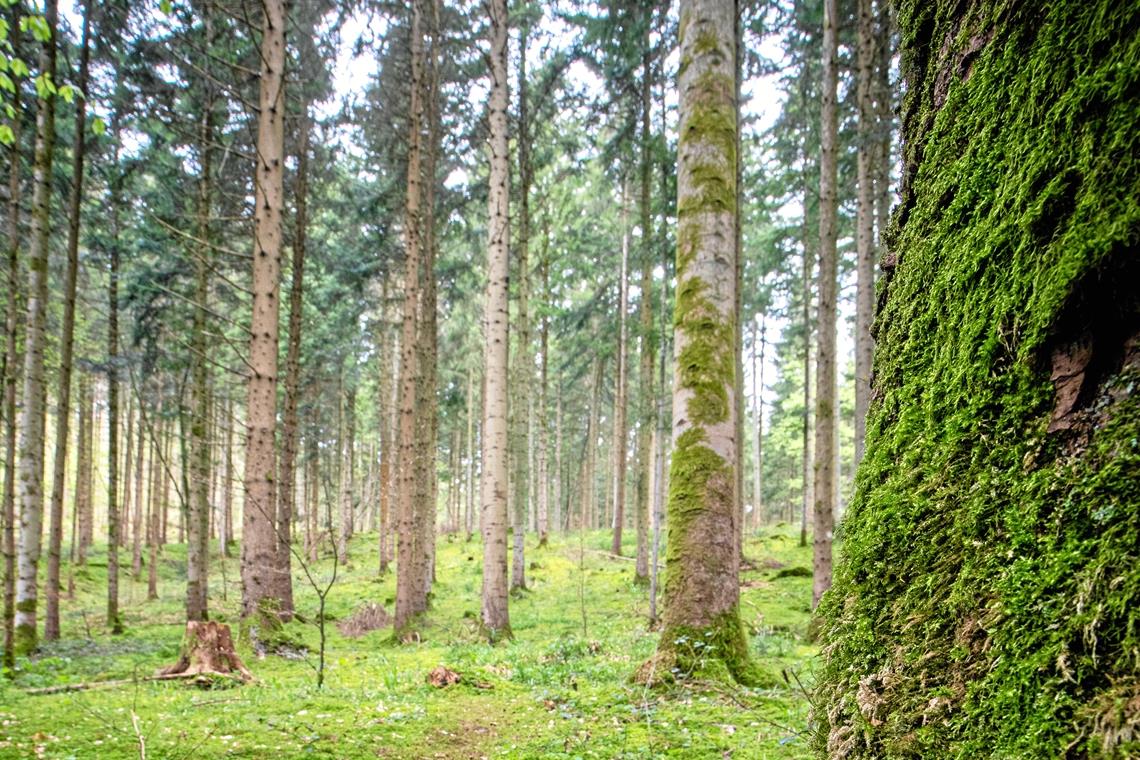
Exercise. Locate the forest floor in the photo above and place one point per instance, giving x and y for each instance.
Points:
(560, 689)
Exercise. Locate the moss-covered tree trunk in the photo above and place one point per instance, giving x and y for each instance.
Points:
(988, 599)
(702, 629)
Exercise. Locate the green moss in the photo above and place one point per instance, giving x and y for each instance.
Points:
(705, 364)
(717, 652)
(989, 586)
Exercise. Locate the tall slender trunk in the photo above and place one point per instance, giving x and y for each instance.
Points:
(11, 371)
(197, 549)
(469, 490)
(759, 336)
(286, 500)
(153, 501)
(556, 497)
(261, 578)
(884, 124)
(83, 506)
(226, 533)
(619, 432)
(31, 431)
(808, 459)
(648, 352)
(864, 224)
(523, 364)
(137, 515)
(313, 507)
(826, 396)
(386, 350)
(347, 474)
(541, 455)
(587, 494)
(114, 623)
(67, 345)
(493, 486)
(409, 586)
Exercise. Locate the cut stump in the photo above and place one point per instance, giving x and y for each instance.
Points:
(208, 649)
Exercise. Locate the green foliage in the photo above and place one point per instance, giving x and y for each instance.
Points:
(988, 601)
(550, 692)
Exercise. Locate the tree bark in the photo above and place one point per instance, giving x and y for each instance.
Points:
(648, 357)
(386, 350)
(493, 487)
(347, 473)
(31, 430)
(523, 364)
(702, 583)
(409, 583)
(11, 371)
(864, 224)
(67, 345)
(825, 395)
(620, 399)
(197, 549)
(261, 578)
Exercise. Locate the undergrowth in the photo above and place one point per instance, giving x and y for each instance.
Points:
(554, 691)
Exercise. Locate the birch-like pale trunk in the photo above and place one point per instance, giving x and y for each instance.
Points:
(493, 487)
(31, 421)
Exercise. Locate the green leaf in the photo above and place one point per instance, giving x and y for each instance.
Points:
(166, 7)
(7, 137)
(67, 92)
(19, 68)
(98, 126)
(7, 83)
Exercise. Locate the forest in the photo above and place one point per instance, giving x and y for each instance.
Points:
(453, 379)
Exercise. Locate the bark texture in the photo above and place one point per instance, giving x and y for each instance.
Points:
(988, 601)
(262, 583)
(493, 486)
(31, 426)
(826, 393)
(702, 630)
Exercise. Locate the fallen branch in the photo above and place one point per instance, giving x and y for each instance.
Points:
(611, 555)
(63, 688)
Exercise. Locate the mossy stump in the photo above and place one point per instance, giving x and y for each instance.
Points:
(208, 650)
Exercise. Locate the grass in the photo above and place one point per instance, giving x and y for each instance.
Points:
(560, 689)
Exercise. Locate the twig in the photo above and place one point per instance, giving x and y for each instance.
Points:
(139, 734)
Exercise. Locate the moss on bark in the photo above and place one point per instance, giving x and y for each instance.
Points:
(988, 598)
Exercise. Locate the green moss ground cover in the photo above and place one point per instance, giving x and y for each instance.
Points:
(559, 690)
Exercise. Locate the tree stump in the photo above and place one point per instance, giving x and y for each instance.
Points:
(208, 649)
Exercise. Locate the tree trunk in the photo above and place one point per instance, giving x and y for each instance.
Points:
(208, 649)
(386, 350)
(137, 517)
(864, 224)
(261, 578)
(347, 474)
(523, 365)
(556, 497)
(31, 426)
(11, 370)
(826, 400)
(409, 585)
(702, 583)
(154, 499)
(493, 487)
(619, 432)
(83, 506)
(758, 394)
(541, 454)
(67, 345)
(226, 534)
(469, 491)
(197, 549)
(648, 355)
